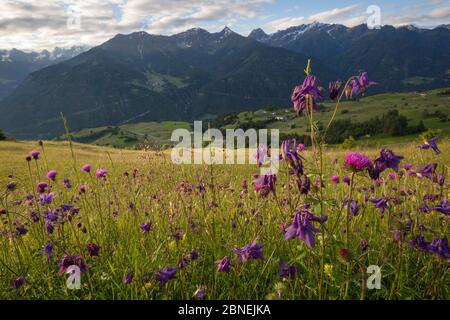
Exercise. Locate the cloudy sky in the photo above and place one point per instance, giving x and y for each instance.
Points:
(45, 24)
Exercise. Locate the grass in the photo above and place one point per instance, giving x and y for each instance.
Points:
(207, 209)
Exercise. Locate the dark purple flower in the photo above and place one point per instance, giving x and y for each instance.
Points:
(193, 255)
(48, 250)
(35, 154)
(93, 249)
(265, 184)
(11, 186)
(354, 207)
(443, 207)
(357, 161)
(380, 203)
(305, 97)
(334, 88)
(146, 227)
(67, 183)
(364, 244)
(70, 260)
(346, 180)
(334, 179)
(128, 279)
(250, 251)
(18, 282)
(101, 173)
(387, 159)
(51, 175)
(304, 184)
(440, 247)
(166, 274)
(82, 188)
(223, 265)
(41, 186)
(46, 199)
(302, 228)
(431, 144)
(34, 217)
(86, 168)
(419, 243)
(428, 170)
(200, 293)
(288, 271)
(360, 84)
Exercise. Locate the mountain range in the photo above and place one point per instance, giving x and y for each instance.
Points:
(16, 65)
(196, 74)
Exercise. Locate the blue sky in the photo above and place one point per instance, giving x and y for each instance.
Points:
(38, 24)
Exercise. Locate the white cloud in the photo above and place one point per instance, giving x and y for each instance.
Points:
(38, 24)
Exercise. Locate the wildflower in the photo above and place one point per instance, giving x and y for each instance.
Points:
(288, 271)
(360, 84)
(334, 179)
(408, 166)
(86, 168)
(48, 250)
(302, 228)
(223, 265)
(200, 293)
(101, 173)
(146, 227)
(11, 186)
(431, 143)
(265, 184)
(354, 207)
(18, 282)
(82, 188)
(21, 230)
(387, 159)
(166, 274)
(392, 175)
(35, 154)
(33, 216)
(334, 88)
(261, 154)
(193, 255)
(244, 183)
(440, 247)
(28, 158)
(305, 97)
(93, 249)
(328, 270)
(304, 184)
(67, 183)
(46, 198)
(346, 180)
(345, 254)
(41, 186)
(380, 203)
(357, 161)
(70, 260)
(249, 252)
(364, 244)
(443, 207)
(128, 279)
(428, 170)
(51, 175)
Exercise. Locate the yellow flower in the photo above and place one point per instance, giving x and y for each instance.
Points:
(328, 269)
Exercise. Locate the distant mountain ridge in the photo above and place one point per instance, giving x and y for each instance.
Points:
(16, 65)
(195, 74)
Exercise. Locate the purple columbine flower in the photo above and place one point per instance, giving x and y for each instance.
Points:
(354, 207)
(428, 170)
(67, 183)
(360, 84)
(305, 97)
(200, 293)
(86, 168)
(51, 175)
(304, 184)
(146, 227)
(380, 203)
(46, 199)
(101, 173)
(286, 271)
(250, 251)
(302, 228)
(48, 250)
(431, 144)
(223, 265)
(70, 260)
(128, 279)
(261, 154)
(93, 249)
(35, 154)
(11, 186)
(443, 207)
(357, 161)
(18, 282)
(419, 243)
(166, 274)
(193, 255)
(265, 184)
(387, 159)
(334, 88)
(440, 247)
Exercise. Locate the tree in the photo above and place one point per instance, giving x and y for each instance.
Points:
(2, 135)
